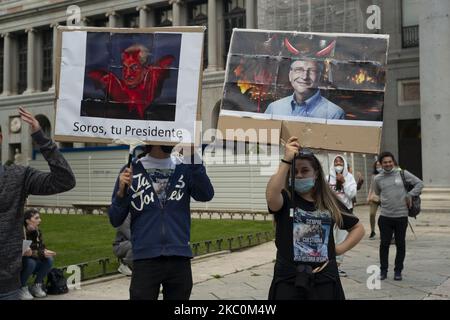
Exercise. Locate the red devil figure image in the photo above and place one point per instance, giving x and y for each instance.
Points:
(140, 81)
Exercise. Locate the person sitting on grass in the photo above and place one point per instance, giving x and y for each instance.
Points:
(122, 247)
(36, 260)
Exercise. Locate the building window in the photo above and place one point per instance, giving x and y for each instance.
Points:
(234, 17)
(410, 23)
(131, 20)
(98, 22)
(1, 64)
(198, 16)
(22, 48)
(409, 92)
(47, 59)
(163, 17)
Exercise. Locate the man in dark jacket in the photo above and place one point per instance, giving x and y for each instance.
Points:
(16, 183)
(157, 192)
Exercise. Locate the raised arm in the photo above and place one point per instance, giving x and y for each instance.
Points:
(60, 178)
(277, 182)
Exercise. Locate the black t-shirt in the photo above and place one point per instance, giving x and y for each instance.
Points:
(306, 235)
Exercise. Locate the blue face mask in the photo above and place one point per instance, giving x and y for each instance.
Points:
(304, 185)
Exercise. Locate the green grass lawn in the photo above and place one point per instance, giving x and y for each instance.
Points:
(86, 238)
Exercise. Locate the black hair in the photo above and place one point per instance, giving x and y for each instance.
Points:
(386, 154)
(28, 214)
(374, 171)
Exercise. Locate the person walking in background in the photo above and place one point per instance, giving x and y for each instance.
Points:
(394, 202)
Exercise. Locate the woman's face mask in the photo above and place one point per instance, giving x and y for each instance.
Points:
(339, 169)
(304, 185)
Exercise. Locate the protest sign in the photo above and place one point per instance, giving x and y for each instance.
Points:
(325, 88)
(118, 83)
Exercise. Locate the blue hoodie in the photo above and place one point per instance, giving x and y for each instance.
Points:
(161, 229)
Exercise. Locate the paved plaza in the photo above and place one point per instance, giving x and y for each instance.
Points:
(246, 274)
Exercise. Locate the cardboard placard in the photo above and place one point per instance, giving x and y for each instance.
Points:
(325, 88)
(249, 130)
(119, 83)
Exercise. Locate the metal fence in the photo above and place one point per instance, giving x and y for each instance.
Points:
(108, 266)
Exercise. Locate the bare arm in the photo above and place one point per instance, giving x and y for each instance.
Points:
(276, 183)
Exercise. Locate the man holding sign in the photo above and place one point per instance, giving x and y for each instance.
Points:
(157, 191)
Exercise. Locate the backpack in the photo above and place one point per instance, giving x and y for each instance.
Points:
(415, 207)
(56, 282)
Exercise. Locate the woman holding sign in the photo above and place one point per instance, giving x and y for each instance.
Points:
(305, 214)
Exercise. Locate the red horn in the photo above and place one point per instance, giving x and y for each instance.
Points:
(290, 47)
(325, 51)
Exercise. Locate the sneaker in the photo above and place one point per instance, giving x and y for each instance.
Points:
(372, 235)
(25, 294)
(398, 276)
(383, 275)
(342, 273)
(125, 270)
(37, 290)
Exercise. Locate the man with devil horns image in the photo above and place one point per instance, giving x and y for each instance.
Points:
(140, 81)
(305, 72)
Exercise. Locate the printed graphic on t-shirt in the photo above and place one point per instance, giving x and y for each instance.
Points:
(339, 191)
(311, 235)
(160, 181)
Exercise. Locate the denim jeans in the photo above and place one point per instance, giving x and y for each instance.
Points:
(35, 266)
(12, 295)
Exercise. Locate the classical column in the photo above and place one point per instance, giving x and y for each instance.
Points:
(85, 22)
(212, 36)
(31, 79)
(112, 19)
(176, 11)
(6, 64)
(54, 26)
(250, 14)
(434, 30)
(145, 17)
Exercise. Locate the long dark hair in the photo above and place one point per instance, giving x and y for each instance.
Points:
(374, 171)
(324, 197)
(28, 214)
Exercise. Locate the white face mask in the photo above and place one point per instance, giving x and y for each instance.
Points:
(339, 169)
